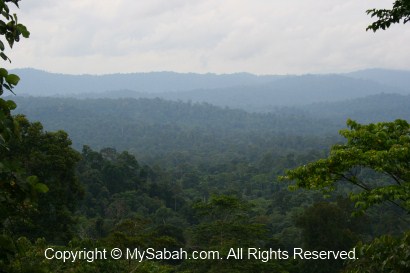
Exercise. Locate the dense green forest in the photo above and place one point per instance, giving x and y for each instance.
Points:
(150, 185)
(182, 175)
(109, 199)
(157, 130)
(169, 133)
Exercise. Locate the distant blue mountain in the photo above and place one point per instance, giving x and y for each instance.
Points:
(396, 78)
(241, 90)
(41, 83)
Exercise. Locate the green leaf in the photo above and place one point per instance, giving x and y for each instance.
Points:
(10, 38)
(5, 13)
(23, 30)
(11, 104)
(32, 180)
(4, 56)
(40, 187)
(3, 72)
(12, 79)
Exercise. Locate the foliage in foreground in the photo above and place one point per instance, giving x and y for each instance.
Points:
(386, 17)
(384, 254)
(376, 160)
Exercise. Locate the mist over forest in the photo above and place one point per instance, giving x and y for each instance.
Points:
(186, 112)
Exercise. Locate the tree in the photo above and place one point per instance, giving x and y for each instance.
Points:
(12, 186)
(384, 254)
(11, 30)
(227, 224)
(17, 188)
(388, 254)
(49, 157)
(328, 226)
(386, 17)
(375, 158)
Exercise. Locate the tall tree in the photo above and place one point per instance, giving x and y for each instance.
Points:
(328, 226)
(381, 149)
(227, 225)
(49, 157)
(17, 189)
(375, 159)
(13, 187)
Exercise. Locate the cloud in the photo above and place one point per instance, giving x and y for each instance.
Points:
(263, 36)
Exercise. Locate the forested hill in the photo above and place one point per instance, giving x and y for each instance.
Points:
(289, 91)
(375, 108)
(395, 78)
(241, 90)
(152, 128)
(40, 83)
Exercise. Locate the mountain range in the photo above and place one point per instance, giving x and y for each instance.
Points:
(242, 90)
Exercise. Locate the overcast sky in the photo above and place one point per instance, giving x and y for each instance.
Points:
(219, 36)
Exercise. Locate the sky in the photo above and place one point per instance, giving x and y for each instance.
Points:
(207, 36)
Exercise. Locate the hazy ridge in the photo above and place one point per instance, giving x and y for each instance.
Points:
(242, 90)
